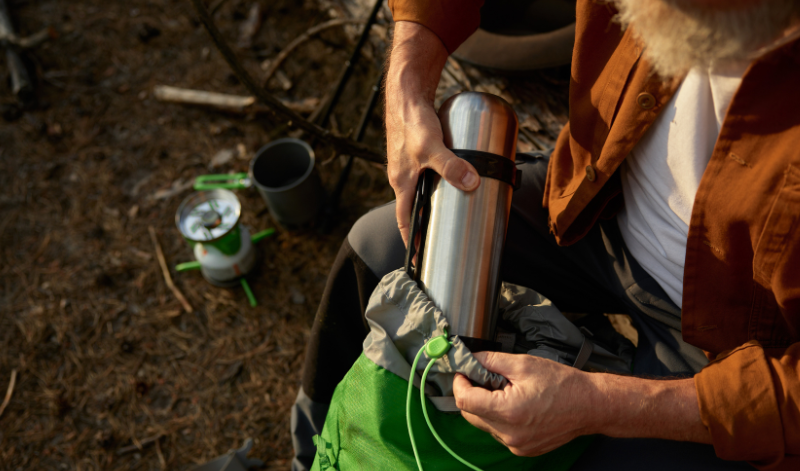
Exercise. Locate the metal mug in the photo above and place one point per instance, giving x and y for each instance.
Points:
(284, 174)
(462, 234)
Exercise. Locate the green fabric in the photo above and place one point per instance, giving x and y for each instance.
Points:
(365, 429)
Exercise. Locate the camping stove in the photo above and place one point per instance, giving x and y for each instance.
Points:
(209, 221)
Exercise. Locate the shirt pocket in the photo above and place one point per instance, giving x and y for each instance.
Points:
(780, 230)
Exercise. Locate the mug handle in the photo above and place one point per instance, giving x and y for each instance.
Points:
(235, 181)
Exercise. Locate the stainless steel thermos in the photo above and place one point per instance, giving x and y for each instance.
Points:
(462, 233)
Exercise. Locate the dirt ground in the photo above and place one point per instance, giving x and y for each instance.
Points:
(111, 372)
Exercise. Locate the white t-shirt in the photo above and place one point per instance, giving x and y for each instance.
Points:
(661, 175)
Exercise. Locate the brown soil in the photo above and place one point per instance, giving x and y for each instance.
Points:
(112, 373)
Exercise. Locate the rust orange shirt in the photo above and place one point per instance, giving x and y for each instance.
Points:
(741, 286)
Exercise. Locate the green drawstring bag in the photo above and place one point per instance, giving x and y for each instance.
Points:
(366, 428)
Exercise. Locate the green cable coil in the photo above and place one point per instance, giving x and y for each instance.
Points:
(435, 348)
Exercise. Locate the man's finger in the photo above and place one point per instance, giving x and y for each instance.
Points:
(458, 172)
(504, 364)
(474, 400)
(405, 203)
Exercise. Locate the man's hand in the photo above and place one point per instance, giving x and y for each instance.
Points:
(414, 138)
(546, 404)
(540, 409)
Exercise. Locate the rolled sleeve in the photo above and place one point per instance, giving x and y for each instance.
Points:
(452, 20)
(749, 402)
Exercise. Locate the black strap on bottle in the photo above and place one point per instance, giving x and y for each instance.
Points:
(487, 164)
(492, 166)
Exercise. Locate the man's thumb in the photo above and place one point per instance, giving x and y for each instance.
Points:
(458, 172)
(469, 398)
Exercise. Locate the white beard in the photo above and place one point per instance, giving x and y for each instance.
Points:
(679, 35)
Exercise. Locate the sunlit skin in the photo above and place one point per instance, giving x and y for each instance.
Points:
(545, 404)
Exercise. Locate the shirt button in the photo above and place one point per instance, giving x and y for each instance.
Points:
(646, 101)
(590, 173)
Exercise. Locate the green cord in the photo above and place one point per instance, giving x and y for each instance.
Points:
(248, 292)
(260, 235)
(436, 350)
(408, 404)
(430, 425)
(187, 266)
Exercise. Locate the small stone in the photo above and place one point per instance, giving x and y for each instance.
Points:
(222, 157)
(54, 130)
(241, 151)
(297, 296)
(283, 80)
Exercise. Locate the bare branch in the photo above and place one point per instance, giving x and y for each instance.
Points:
(342, 145)
(165, 272)
(275, 63)
(9, 391)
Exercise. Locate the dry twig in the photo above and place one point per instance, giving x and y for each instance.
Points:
(9, 392)
(275, 63)
(224, 101)
(214, 7)
(201, 97)
(165, 271)
(161, 459)
(250, 26)
(343, 145)
(29, 42)
(42, 247)
(138, 445)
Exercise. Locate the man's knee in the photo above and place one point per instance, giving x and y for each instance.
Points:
(376, 240)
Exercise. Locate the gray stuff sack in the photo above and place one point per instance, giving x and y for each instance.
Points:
(402, 319)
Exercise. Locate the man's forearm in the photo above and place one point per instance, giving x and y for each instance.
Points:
(414, 139)
(627, 406)
(416, 62)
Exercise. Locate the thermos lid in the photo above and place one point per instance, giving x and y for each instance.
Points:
(481, 122)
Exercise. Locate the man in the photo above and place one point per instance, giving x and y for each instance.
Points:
(673, 193)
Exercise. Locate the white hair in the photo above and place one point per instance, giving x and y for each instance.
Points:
(679, 34)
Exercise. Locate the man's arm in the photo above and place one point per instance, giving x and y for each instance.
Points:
(648, 408)
(413, 133)
(547, 404)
